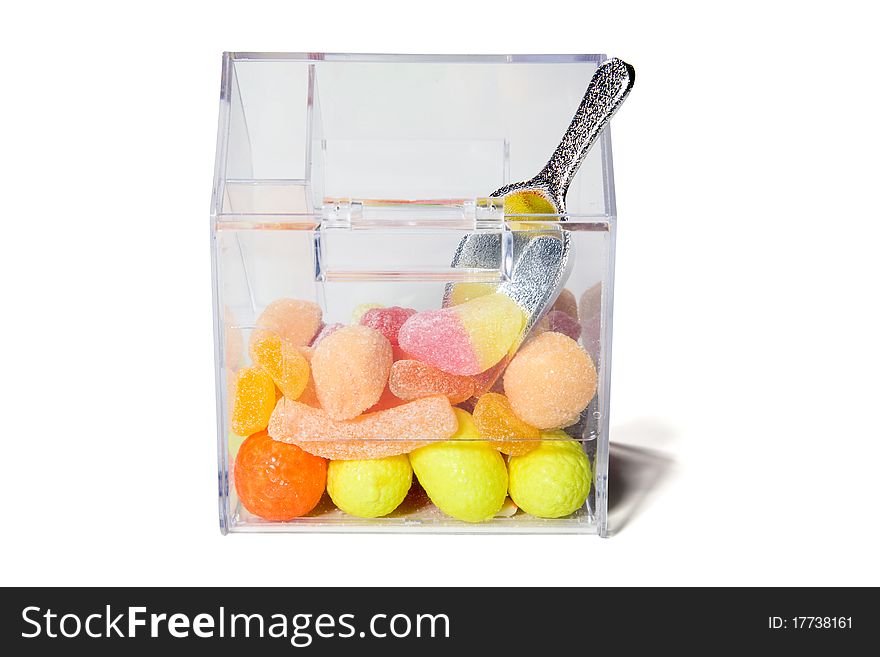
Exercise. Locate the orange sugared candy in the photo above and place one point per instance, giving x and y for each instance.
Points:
(550, 381)
(293, 320)
(496, 422)
(350, 368)
(278, 481)
(253, 401)
(285, 363)
(374, 435)
(412, 379)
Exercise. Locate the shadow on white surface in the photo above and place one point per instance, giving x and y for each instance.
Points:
(636, 473)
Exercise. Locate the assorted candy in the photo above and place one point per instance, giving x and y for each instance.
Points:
(356, 409)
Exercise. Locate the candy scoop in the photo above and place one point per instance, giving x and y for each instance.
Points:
(540, 254)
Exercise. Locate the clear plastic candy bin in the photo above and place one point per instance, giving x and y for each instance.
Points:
(344, 187)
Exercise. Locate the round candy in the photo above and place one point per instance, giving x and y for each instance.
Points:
(253, 401)
(550, 381)
(464, 477)
(369, 488)
(295, 321)
(350, 368)
(553, 480)
(277, 481)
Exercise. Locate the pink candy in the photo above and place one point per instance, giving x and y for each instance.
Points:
(387, 321)
(466, 339)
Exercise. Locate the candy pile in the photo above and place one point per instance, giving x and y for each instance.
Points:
(355, 410)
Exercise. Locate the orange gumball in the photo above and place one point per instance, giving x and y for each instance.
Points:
(278, 481)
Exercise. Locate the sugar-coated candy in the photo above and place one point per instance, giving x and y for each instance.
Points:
(252, 401)
(550, 381)
(373, 435)
(369, 488)
(528, 202)
(294, 320)
(553, 480)
(566, 303)
(462, 292)
(326, 329)
(360, 309)
(285, 363)
(350, 368)
(412, 379)
(277, 481)
(497, 423)
(464, 477)
(465, 339)
(387, 321)
(564, 323)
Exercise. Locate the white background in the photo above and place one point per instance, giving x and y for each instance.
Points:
(746, 328)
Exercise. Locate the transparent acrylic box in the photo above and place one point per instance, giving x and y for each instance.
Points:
(349, 179)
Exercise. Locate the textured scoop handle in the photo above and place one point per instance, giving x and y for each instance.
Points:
(608, 88)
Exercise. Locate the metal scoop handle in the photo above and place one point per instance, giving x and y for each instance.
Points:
(609, 87)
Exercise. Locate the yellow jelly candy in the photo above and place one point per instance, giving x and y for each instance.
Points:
(253, 402)
(498, 423)
(528, 202)
(288, 367)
